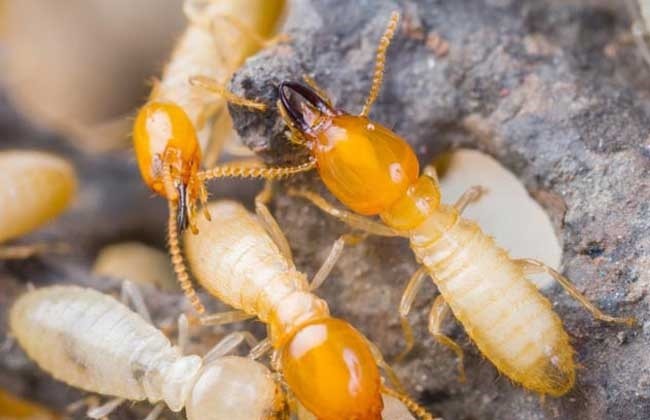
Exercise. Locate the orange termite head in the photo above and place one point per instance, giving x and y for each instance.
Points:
(331, 370)
(165, 141)
(364, 164)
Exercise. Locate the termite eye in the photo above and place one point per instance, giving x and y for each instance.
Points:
(329, 367)
(303, 105)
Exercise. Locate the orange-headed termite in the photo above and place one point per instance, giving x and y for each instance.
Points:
(171, 129)
(373, 171)
(329, 366)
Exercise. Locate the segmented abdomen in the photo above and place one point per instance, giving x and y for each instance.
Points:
(91, 341)
(235, 259)
(510, 321)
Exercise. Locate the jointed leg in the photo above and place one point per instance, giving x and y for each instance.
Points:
(104, 409)
(432, 173)
(383, 365)
(227, 317)
(412, 288)
(260, 349)
(155, 411)
(129, 292)
(531, 266)
(469, 196)
(269, 222)
(228, 344)
(212, 85)
(439, 311)
(354, 220)
(335, 253)
(380, 63)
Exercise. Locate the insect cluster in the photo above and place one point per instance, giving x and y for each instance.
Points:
(312, 364)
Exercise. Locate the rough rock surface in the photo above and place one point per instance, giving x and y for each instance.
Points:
(550, 89)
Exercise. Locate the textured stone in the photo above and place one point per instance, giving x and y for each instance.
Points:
(547, 89)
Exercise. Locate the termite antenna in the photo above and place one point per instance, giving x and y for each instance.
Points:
(415, 408)
(380, 63)
(255, 171)
(178, 262)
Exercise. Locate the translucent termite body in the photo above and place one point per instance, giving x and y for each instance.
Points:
(35, 187)
(375, 172)
(91, 341)
(327, 364)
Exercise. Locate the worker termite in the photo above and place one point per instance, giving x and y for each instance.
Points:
(167, 146)
(91, 341)
(373, 171)
(35, 187)
(327, 364)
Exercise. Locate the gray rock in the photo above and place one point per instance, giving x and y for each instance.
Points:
(547, 88)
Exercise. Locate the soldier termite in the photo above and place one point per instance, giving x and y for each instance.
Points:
(91, 341)
(35, 187)
(373, 171)
(328, 365)
(168, 149)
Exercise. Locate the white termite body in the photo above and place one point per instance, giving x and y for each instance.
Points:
(35, 187)
(91, 341)
(236, 260)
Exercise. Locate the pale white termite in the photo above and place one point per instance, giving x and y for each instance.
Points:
(91, 341)
(35, 187)
(327, 364)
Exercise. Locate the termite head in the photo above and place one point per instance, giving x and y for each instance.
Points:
(364, 164)
(168, 154)
(331, 370)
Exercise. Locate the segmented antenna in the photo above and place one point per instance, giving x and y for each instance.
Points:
(380, 63)
(247, 171)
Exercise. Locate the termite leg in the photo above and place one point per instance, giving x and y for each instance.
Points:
(439, 311)
(383, 365)
(104, 409)
(269, 222)
(227, 317)
(129, 292)
(432, 173)
(22, 252)
(380, 63)
(355, 221)
(471, 195)
(228, 344)
(212, 85)
(155, 411)
(413, 286)
(183, 339)
(260, 349)
(531, 266)
(333, 256)
(254, 170)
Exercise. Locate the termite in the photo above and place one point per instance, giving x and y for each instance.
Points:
(327, 364)
(91, 341)
(35, 187)
(373, 171)
(171, 129)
